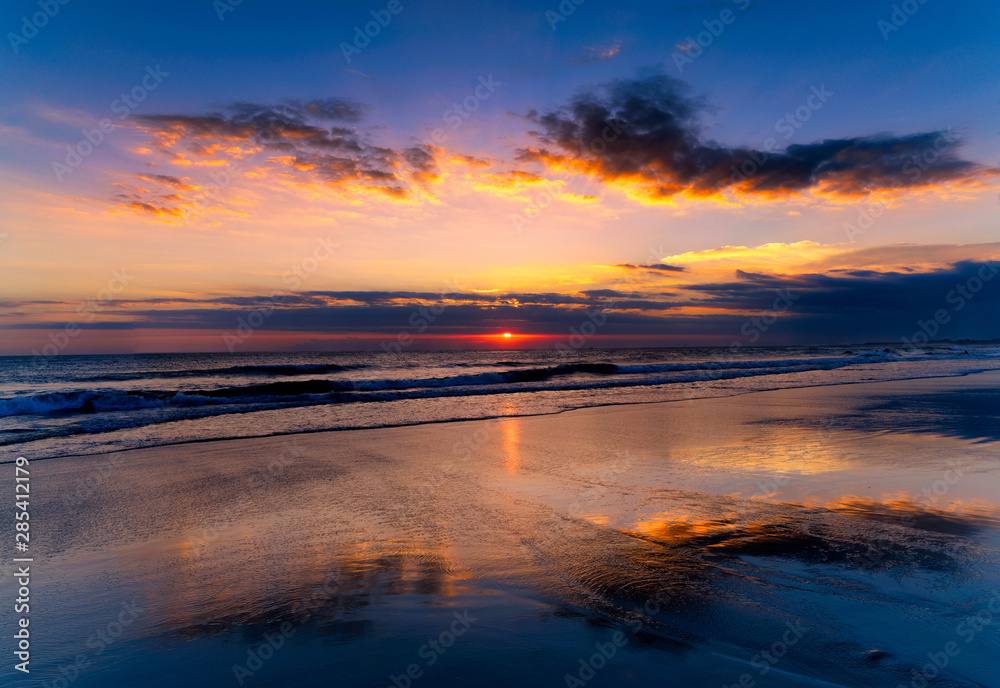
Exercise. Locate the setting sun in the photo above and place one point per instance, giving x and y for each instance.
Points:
(506, 335)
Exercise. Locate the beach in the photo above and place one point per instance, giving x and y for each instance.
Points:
(838, 535)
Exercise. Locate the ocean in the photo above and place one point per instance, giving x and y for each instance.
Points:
(79, 405)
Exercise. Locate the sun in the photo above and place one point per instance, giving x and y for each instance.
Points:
(507, 335)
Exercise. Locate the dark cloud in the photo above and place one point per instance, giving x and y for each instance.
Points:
(869, 305)
(298, 112)
(657, 267)
(421, 159)
(814, 309)
(603, 293)
(337, 109)
(154, 209)
(166, 180)
(300, 135)
(647, 131)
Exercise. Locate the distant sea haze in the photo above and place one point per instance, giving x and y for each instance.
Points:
(91, 404)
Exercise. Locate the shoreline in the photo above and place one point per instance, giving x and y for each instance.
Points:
(494, 418)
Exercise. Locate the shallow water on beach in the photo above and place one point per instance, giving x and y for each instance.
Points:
(831, 536)
(75, 405)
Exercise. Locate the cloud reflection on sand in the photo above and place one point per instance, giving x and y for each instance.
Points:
(332, 597)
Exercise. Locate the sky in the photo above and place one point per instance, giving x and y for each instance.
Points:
(250, 176)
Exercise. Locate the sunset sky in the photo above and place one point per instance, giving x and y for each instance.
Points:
(672, 167)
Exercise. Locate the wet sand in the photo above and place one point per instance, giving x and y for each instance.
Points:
(824, 536)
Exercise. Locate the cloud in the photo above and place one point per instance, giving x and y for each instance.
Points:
(153, 209)
(306, 139)
(653, 267)
(642, 135)
(603, 293)
(167, 180)
(854, 305)
(595, 53)
(771, 257)
(645, 135)
(423, 162)
(804, 257)
(900, 257)
(840, 306)
(163, 206)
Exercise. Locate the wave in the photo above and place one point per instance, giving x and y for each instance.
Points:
(275, 370)
(599, 370)
(817, 363)
(579, 375)
(87, 401)
(285, 393)
(514, 371)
